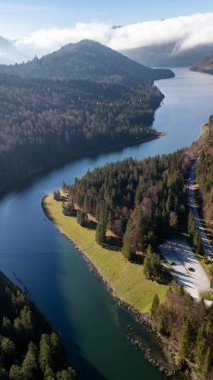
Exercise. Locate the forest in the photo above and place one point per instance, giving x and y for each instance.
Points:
(136, 204)
(45, 122)
(204, 176)
(29, 348)
(87, 59)
(187, 326)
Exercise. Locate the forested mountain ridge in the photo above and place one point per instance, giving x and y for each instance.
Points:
(45, 122)
(204, 175)
(205, 65)
(168, 54)
(87, 60)
(29, 349)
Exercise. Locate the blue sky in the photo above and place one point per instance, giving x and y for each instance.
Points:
(21, 17)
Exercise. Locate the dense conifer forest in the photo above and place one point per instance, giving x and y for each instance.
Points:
(45, 122)
(87, 59)
(140, 203)
(29, 349)
(187, 326)
(204, 175)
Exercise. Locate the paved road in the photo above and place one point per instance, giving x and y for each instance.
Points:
(186, 268)
(194, 209)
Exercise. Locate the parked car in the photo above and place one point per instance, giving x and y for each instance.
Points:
(191, 269)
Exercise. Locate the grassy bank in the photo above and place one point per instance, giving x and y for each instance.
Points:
(126, 279)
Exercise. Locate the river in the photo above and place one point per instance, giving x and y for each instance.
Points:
(92, 326)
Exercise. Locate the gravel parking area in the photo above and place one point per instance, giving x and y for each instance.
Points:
(186, 268)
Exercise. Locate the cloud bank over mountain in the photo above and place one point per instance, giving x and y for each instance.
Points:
(48, 40)
(185, 32)
(189, 31)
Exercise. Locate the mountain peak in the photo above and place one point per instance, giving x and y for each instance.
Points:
(87, 59)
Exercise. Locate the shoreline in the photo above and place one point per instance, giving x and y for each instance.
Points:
(38, 173)
(165, 363)
(164, 359)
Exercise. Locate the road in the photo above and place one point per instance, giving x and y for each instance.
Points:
(194, 210)
(187, 270)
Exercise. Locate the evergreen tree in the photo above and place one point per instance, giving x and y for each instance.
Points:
(206, 362)
(148, 263)
(45, 358)
(155, 304)
(30, 368)
(8, 351)
(185, 342)
(56, 350)
(48, 373)
(127, 248)
(15, 372)
(6, 326)
(190, 225)
(68, 374)
(81, 218)
(100, 235)
(200, 348)
(196, 241)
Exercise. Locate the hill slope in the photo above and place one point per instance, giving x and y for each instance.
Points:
(205, 65)
(168, 54)
(8, 52)
(205, 176)
(87, 60)
(45, 122)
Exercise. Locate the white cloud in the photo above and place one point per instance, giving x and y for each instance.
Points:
(47, 40)
(188, 31)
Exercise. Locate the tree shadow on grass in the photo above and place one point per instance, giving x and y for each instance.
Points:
(112, 243)
(90, 225)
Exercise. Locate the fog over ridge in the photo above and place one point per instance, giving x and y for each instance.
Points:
(186, 31)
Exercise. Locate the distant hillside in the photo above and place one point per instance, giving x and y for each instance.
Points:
(205, 65)
(4, 43)
(8, 52)
(45, 122)
(87, 60)
(168, 54)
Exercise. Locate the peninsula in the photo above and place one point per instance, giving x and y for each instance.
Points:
(117, 216)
